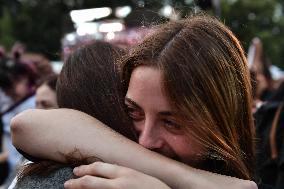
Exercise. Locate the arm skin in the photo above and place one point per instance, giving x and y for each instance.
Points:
(44, 133)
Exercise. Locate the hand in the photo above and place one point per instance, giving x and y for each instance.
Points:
(108, 176)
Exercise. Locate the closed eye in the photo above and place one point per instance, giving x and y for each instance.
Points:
(172, 126)
(135, 114)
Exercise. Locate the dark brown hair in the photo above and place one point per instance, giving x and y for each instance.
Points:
(90, 82)
(206, 78)
(49, 80)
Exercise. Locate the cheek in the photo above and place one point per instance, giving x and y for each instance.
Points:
(139, 126)
(51, 98)
(188, 150)
(21, 89)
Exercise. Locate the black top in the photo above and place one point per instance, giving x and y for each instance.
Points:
(270, 171)
(263, 186)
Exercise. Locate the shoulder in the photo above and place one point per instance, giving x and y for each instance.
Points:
(54, 180)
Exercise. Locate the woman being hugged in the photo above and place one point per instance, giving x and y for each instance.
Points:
(75, 90)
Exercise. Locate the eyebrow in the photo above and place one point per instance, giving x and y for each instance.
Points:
(166, 113)
(130, 101)
(162, 113)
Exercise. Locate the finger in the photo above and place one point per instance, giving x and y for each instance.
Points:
(88, 182)
(101, 169)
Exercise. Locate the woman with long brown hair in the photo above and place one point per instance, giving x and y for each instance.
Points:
(75, 90)
(187, 90)
(205, 79)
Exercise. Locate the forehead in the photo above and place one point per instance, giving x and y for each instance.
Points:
(147, 75)
(146, 88)
(45, 91)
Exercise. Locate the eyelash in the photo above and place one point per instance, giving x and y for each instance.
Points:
(169, 124)
(136, 115)
(131, 112)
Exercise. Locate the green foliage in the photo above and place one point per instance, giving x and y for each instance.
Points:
(40, 25)
(6, 37)
(263, 19)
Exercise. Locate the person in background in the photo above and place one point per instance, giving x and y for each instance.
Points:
(260, 65)
(46, 93)
(45, 96)
(19, 85)
(270, 140)
(39, 63)
(76, 90)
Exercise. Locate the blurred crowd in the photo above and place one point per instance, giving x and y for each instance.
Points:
(22, 75)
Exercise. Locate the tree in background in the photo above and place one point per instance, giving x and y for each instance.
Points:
(41, 24)
(263, 19)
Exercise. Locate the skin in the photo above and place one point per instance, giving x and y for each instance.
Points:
(160, 134)
(45, 97)
(155, 120)
(152, 129)
(114, 178)
(20, 89)
(31, 125)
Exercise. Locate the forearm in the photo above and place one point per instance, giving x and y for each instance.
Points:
(50, 133)
(45, 133)
(64, 130)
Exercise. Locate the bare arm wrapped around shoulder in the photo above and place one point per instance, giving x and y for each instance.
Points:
(50, 133)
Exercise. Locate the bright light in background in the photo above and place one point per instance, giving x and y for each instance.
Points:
(71, 37)
(111, 27)
(167, 11)
(122, 12)
(87, 28)
(87, 15)
(110, 35)
(57, 66)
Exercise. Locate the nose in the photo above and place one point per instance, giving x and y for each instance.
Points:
(150, 136)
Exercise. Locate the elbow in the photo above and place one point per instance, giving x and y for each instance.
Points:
(251, 185)
(18, 126)
(16, 129)
(15, 124)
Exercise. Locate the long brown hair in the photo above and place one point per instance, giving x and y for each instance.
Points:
(206, 78)
(89, 82)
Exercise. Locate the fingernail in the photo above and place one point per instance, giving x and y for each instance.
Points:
(76, 170)
(67, 184)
